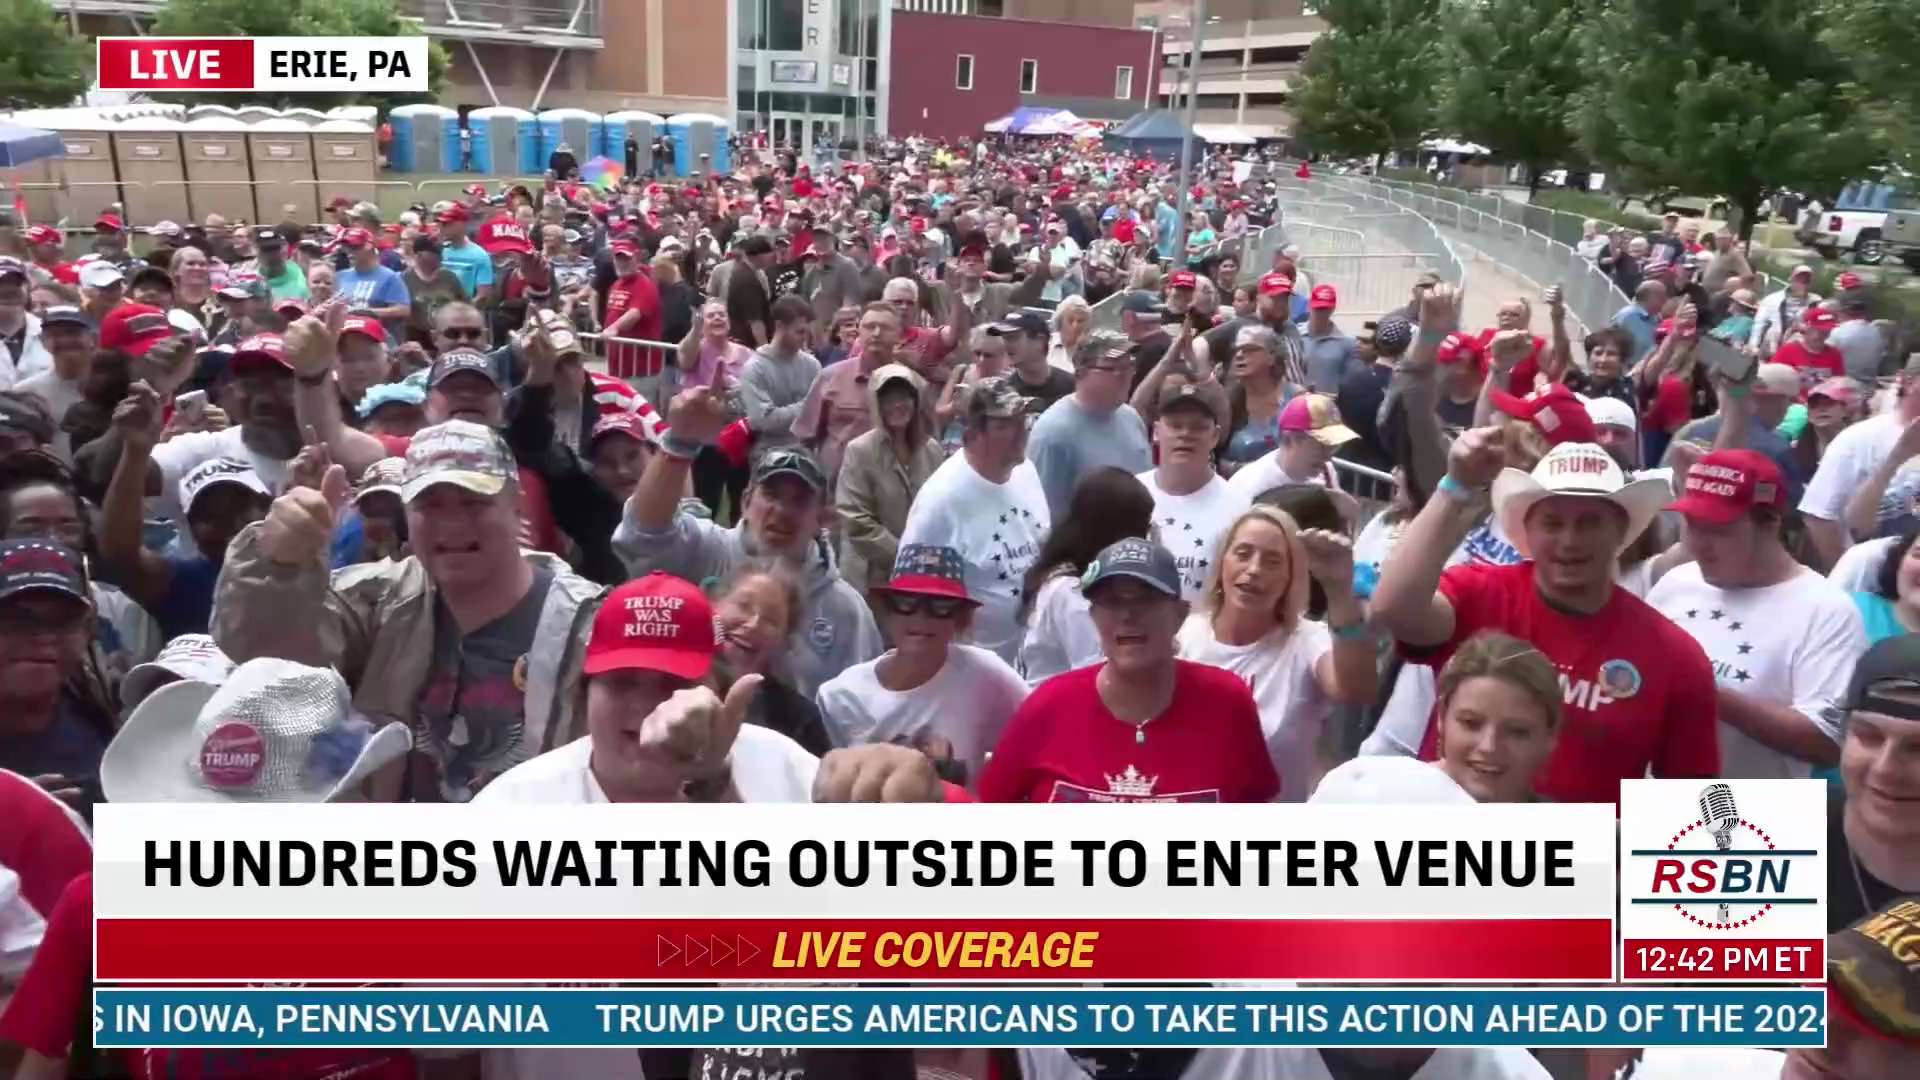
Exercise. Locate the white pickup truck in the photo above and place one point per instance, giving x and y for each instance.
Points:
(1857, 221)
(1902, 232)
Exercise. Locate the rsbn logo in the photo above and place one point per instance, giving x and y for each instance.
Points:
(1730, 885)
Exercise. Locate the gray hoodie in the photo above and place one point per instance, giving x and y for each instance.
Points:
(835, 629)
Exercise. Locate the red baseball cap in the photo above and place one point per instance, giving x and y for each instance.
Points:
(1181, 279)
(108, 223)
(260, 350)
(341, 202)
(624, 246)
(478, 191)
(366, 326)
(1276, 284)
(1555, 412)
(929, 570)
(500, 235)
(1848, 280)
(1322, 298)
(655, 623)
(1457, 347)
(290, 305)
(1838, 388)
(455, 212)
(625, 423)
(44, 234)
(918, 225)
(1820, 319)
(355, 237)
(1725, 484)
(134, 329)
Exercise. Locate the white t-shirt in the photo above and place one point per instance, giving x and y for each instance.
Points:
(1850, 459)
(1191, 526)
(996, 528)
(1302, 1063)
(767, 767)
(1263, 474)
(967, 702)
(1293, 711)
(1858, 568)
(177, 457)
(1060, 633)
(1792, 644)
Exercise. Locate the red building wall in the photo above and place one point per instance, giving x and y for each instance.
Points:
(1074, 61)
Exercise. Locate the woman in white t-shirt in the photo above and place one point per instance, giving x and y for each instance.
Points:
(1252, 622)
(1108, 506)
(929, 691)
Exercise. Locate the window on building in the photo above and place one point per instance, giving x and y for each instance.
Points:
(1123, 83)
(1029, 76)
(784, 22)
(963, 72)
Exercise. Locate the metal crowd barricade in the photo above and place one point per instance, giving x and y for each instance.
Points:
(1370, 487)
(656, 375)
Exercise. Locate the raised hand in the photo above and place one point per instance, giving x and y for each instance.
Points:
(299, 526)
(1329, 557)
(137, 418)
(698, 414)
(313, 340)
(1477, 457)
(876, 773)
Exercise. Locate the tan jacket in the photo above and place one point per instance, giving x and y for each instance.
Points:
(374, 623)
(876, 487)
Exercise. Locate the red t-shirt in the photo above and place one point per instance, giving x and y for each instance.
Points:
(634, 361)
(1671, 407)
(1520, 383)
(1814, 368)
(44, 842)
(1063, 745)
(1637, 690)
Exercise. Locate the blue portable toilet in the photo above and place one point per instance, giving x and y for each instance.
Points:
(695, 134)
(581, 130)
(504, 141)
(420, 139)
(643, 126)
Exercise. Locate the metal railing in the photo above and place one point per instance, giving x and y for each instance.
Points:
(1591, 295)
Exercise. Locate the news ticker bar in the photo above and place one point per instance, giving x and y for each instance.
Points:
(919, 950)
(874, 1018)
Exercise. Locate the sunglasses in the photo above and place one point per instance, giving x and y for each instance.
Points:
(940, 607)
(464, 333)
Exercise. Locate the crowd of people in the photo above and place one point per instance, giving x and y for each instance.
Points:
(913, 528)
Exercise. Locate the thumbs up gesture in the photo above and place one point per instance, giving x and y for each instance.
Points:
(300, 523)
(313, 341)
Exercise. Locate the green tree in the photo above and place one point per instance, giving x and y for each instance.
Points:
(1368, 83)
(1881, 39)
(300, 18)
(40, 63)
(1511, 70)
(1719, 97)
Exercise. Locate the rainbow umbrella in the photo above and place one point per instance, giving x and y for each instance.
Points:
(603, 173)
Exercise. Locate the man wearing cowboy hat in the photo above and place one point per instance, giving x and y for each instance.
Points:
(1639, 692)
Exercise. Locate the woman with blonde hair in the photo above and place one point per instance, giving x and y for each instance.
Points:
(1500, 705)
(1251, 620)
(1071, 321)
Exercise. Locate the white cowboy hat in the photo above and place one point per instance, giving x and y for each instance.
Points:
(1583, 470)
(275, 731)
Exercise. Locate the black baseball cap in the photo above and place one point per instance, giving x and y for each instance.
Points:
(1892, 664)
(268, 237)
(788, 462)
(1142, 560)
(455, 361)
(1030, 323)
(35, 565)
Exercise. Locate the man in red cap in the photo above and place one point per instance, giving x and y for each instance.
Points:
(1808, 351)
(458, 253)
(1330, 354)
(1781, 680)
(110, 240)
(986, 301)
(1273, 309)
(368, 287)
(633, 311)
(50, 264)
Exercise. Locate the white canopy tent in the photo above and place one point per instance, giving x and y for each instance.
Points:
(1231, 134)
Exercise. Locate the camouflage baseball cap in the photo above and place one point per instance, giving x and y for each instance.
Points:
(994, 397)
(1872, 979)
(458, 452)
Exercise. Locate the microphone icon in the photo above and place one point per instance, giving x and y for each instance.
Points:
(1718, 812)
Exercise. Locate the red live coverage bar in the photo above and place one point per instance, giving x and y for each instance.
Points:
(272, 65)
(1795, 960)
(710, 950)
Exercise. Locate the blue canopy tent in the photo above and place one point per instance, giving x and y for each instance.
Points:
(22, 145)
(1156, 132)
